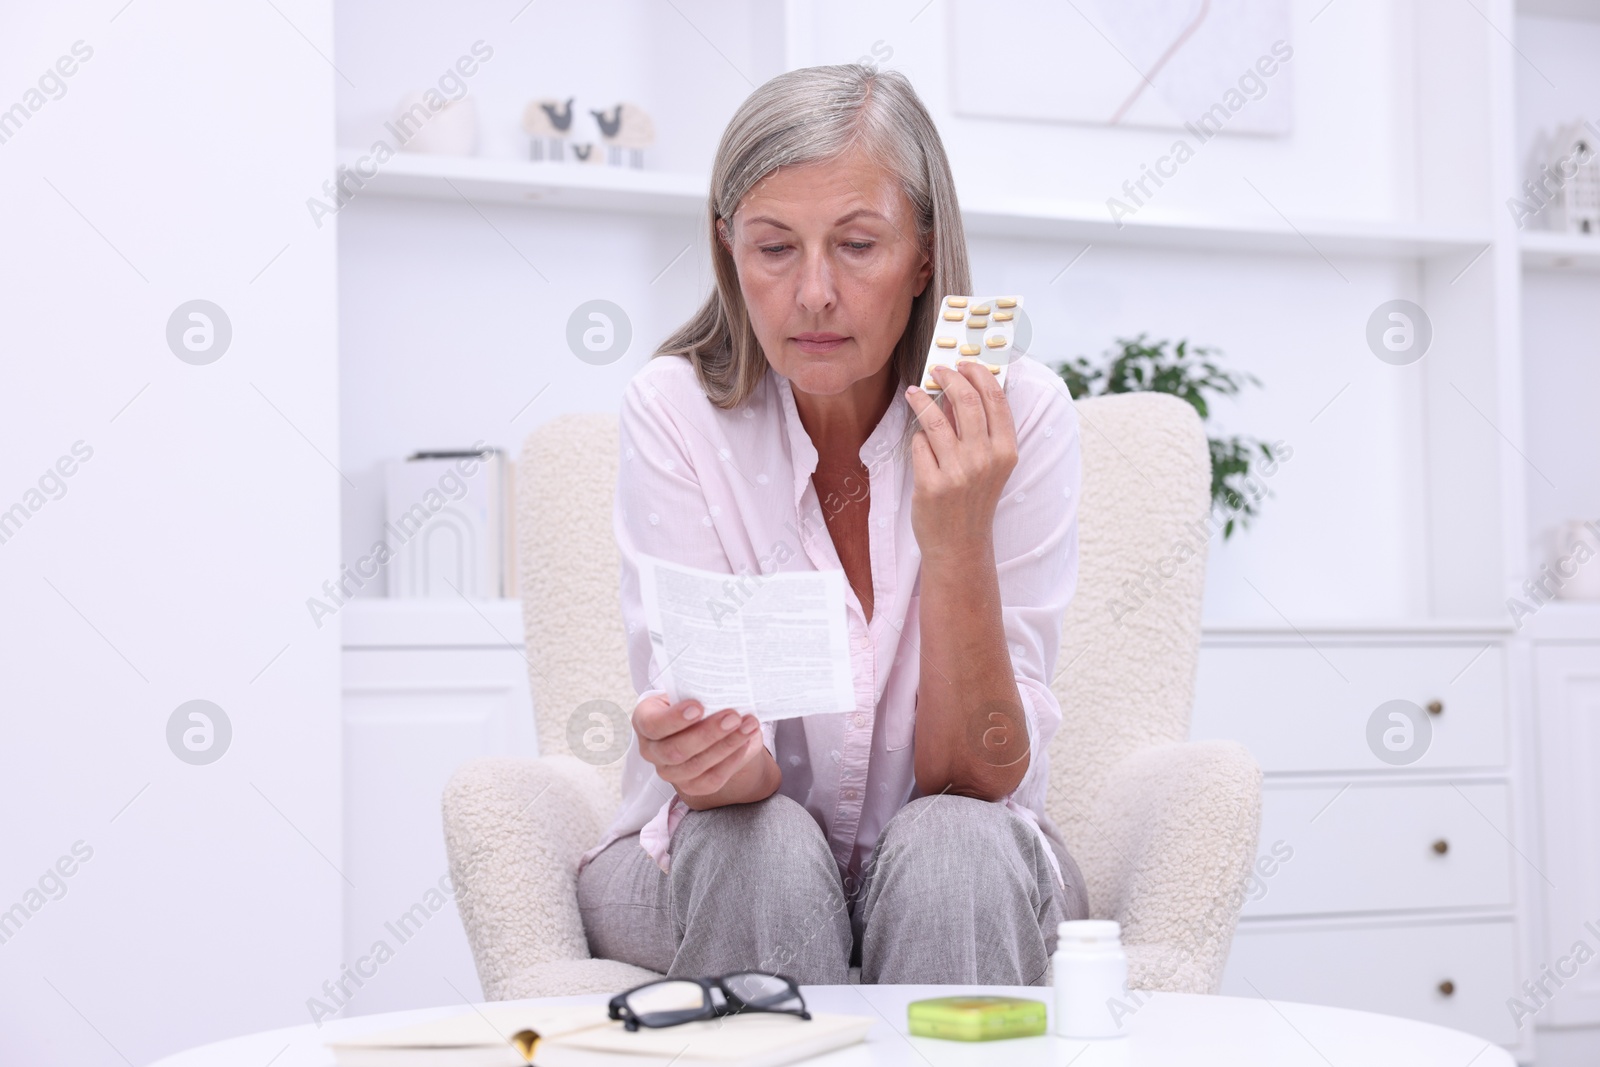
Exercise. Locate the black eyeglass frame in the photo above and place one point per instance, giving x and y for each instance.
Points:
(732, 1004)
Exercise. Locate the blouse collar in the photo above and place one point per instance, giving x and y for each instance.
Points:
(880, 442)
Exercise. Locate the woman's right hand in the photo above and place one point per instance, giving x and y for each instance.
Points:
(712, 760)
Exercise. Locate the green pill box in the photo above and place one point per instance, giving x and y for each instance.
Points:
(976, 1018)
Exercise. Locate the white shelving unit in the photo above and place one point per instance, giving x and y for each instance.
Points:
(1412, 510)
(1558, 292)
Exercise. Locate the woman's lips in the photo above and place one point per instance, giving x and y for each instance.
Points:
(818, 343)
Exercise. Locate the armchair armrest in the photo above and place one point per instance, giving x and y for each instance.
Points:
(1175, 831)
(514, 829)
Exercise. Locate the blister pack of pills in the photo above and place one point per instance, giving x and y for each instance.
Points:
(974, 328)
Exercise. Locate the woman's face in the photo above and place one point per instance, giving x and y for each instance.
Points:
(829, 263)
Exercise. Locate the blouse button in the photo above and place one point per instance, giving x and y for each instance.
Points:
(849, 794)
(630, 453)
(1020, 496)
(1048, 430)
(835, 756)
(861, 720)
(762, 478)
(706, 519)
(749, 414)
(655, 520)
(671, 464)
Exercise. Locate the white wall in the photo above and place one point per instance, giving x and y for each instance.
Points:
(601, 53)
(1348, 156)
(176, 565)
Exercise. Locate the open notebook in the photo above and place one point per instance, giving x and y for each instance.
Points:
(499, 1035)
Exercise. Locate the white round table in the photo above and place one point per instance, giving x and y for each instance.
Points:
(1169, 1030)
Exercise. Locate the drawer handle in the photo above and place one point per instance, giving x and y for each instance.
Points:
(1447, 987)
(1435, 707)
(1441, 846)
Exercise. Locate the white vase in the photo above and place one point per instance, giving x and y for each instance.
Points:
(1584, 584)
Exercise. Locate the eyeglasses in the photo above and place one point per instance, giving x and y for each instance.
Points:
(671, 1001)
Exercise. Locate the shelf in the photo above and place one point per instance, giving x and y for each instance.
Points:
(420, 623)
(1548, 250)
(1044, 219)
(1400, 630)
(554, 185)
(605, 188)
(1567, 9)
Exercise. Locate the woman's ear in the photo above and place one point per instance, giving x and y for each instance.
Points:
(924, 273)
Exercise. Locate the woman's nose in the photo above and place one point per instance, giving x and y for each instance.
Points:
(816, 292)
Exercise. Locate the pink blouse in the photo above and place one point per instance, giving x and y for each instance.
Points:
(731, 491)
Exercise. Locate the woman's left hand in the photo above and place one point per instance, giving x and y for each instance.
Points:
(960, 461)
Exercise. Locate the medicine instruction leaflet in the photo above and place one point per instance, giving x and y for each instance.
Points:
(773, 645)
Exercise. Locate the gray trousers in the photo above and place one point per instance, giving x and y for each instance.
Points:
(956, 890)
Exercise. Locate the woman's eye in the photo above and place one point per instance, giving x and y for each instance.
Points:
(858, 246)
(772, 249)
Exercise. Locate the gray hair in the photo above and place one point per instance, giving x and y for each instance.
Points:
(814, 115)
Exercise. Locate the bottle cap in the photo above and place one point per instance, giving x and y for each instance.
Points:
(1090, 931)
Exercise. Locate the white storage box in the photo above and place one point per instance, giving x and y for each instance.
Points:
(449, 525)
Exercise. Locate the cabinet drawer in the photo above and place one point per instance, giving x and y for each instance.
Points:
(1338, 849)
(1290, 706)
(1392, 969)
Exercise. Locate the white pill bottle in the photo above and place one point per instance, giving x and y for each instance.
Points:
(1091, 971)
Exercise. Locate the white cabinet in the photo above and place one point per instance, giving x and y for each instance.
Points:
(1373, 846)
(1567, 696)
(1449, 973)
(1306, 709)
(1387, 882)
(428, 685)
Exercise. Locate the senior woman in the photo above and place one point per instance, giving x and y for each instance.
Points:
(907, 837)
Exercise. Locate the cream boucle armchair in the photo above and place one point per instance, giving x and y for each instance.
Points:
(1164, 830)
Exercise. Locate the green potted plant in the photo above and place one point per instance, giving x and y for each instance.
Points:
(1191, 373)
